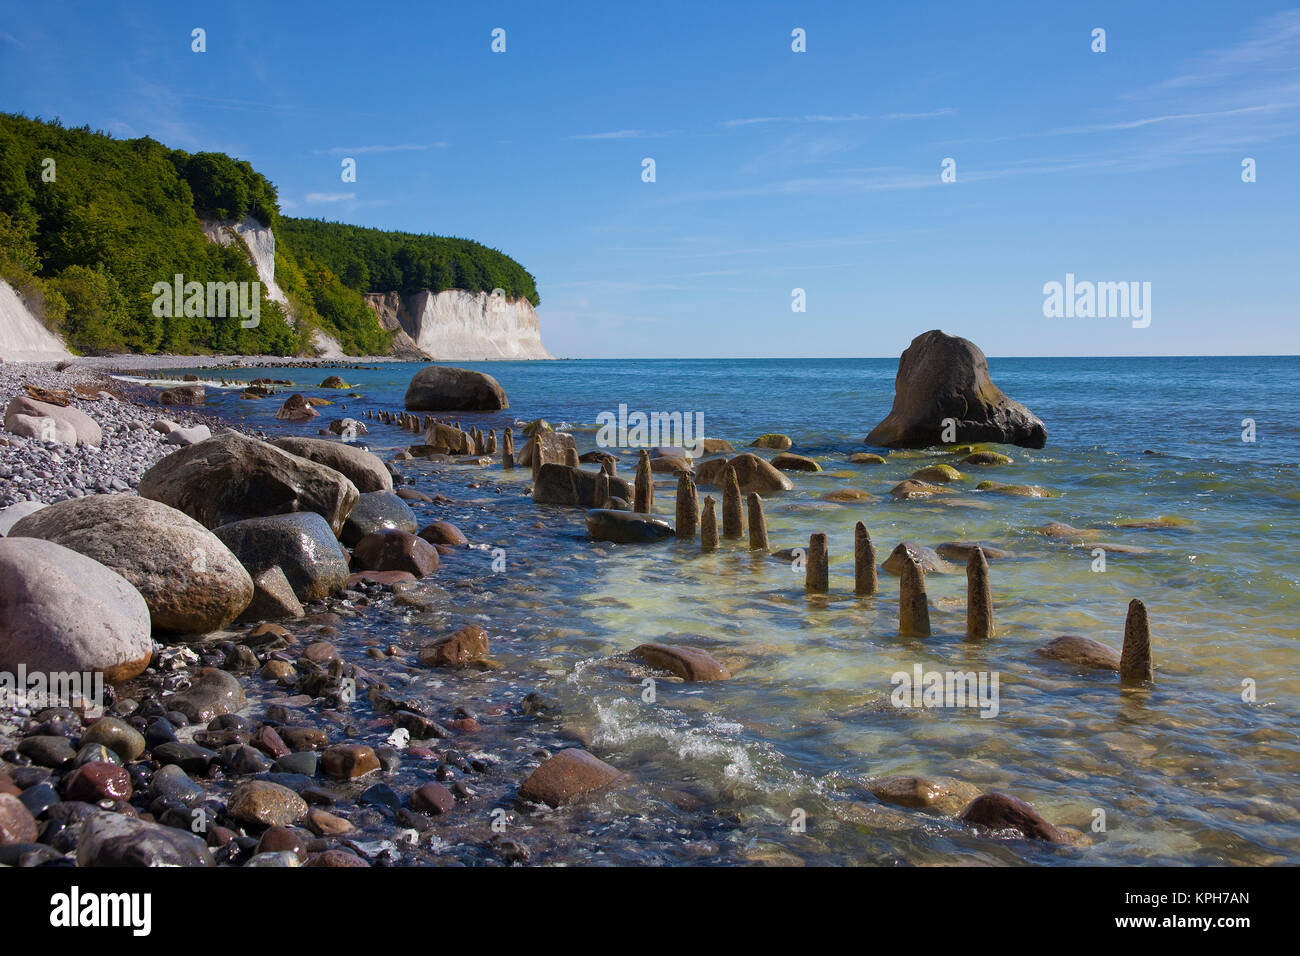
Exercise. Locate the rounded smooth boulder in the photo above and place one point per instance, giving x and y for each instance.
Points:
(231, 477)
(63, 611)
(302, 545)
(190, 580)
(442, 388)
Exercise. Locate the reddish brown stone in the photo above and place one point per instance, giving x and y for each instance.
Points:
(269, 742)
(465, 725)
(98, 780)
(465, 646)
(283, 839)
(432, 798)
(998, 811)
(346, 761)
(320, 652)
(688, 663)
(566, 777)
(444, 532)
(394, 550)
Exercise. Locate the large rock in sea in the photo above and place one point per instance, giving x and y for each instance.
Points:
(63, 611)
(363, 468)
(753, 473)
(442, 388)
(943, 376)
(566, 485)
(191, 582)
(230, 477)
(302, 545)
(626, 527)
(71, 426)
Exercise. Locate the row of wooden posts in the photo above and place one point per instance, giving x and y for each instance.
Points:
(913, 604)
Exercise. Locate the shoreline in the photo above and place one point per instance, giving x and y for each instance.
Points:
(271, 664)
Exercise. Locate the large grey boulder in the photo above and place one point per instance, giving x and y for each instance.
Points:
(63, 611)
(943, 376)
(301, 545)
(189, 579)
(72, 426)
(231, 477)
(441, 388)
(115, 839)
(566, 485)
(377, 511)
(363, 468)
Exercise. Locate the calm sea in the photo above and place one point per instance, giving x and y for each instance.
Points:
(1201, 768)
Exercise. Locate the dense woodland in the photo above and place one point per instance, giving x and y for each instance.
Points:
(84, 238)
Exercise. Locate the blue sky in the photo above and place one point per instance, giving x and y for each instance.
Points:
(775, 170)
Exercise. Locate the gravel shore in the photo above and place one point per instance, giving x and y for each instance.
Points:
(35, 470)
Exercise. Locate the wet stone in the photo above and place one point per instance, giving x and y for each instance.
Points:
(117, 735)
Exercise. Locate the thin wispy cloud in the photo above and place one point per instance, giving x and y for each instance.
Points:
(330, 197)
(623, 134)
(1273, 45)
(836, 118)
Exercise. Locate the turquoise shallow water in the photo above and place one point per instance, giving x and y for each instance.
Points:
(1185, 771)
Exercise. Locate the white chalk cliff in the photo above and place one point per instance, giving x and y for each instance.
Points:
(24, 337)
(456, 325)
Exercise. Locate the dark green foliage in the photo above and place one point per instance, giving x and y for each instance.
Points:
(376, 260)
(121, 215)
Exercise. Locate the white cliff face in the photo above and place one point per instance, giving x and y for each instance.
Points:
(259, 240)
(455, 325)
(23, 337)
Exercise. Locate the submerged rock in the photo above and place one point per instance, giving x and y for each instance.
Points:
(772, 440)
(626, 527)
(465, 646)
(1081, 652)
(943, 376)
(688, 663)
(998, 811)
(789, 462)
(927, 558)
(565, 485)
(566, 777)
(297, 409)
(394, 550)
